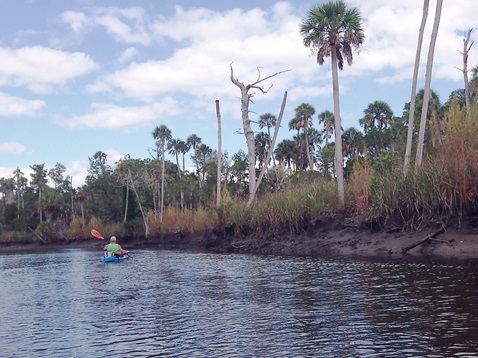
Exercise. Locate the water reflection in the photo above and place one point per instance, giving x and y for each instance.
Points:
(175, 304)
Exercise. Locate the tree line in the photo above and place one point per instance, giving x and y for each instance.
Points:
(137, 192)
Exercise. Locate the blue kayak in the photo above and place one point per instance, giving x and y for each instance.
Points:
(105, 260)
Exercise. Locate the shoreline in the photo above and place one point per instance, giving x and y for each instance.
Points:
(451, 244)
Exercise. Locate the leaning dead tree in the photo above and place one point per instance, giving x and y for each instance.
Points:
(246, 122)
(466, 49)
(269, 152)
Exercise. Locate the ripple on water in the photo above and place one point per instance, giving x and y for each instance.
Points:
(176, 304)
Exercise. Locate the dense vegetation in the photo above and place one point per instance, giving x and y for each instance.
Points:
(154, 197)
(125, 199)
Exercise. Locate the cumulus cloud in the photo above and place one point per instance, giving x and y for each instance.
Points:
(40, 68)
(16, 106)
(391, 30)
(75, 19)
(12, 147)
(103, 115)
(208, 41)
(128, 25)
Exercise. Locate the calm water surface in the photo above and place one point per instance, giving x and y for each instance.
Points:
(177, 304)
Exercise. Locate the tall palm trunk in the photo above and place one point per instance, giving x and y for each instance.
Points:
(219, 154)
(161, 205)
(411, 114)
(339, 166)
(309, 154)
(126, 200)
(426, 94)
(40, 204)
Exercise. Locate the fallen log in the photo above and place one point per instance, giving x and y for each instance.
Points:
(41, 239)
(426, 239)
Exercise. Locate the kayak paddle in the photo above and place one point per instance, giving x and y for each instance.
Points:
(97, 234)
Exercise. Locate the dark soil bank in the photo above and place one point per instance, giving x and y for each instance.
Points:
(326, 236)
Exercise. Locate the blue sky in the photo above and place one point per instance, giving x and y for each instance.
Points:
(80, 76)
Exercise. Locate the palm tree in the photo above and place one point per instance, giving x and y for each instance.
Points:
(353, 142)
(262, 144)
(7, 188)
(162, 135)
(326, 118)
(303, 119)
(193, 141)
(202, 158)
(286, 153)
(19, 181)
(268, 120)
(334, 30)
(377, 115)
(176, 147)
(39, 180)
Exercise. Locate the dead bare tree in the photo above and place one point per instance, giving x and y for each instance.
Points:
(246, 122)
(466, 49)
(269, 152)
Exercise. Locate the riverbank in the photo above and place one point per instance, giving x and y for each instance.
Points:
(324, 236)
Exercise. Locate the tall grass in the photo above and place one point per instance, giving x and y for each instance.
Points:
(360, 185)
(445, 186)
(283, 211)
(186, 222)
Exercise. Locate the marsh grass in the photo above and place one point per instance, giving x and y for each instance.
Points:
(283, 211)
(185, 222)
(443, 188)
(360, 186)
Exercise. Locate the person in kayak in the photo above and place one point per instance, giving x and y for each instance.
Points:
(114, 248)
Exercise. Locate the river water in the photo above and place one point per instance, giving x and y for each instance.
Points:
(181, 304)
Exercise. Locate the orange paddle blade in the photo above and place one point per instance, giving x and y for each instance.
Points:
(97, 234)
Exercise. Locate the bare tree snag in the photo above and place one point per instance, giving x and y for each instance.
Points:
(143, 214)
(428, 238)
(269, 152)
(246, 122)
(466, 49)
(41, 239)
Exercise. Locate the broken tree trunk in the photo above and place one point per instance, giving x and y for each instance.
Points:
(426, 239)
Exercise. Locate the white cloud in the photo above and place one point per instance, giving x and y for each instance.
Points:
(391, 34)
(41, 68)
(15, 106)
(78, 171)
(126, 25)
(75, 19)
(12, 147)
(104, 115)
(208, 42)
(128, 54)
